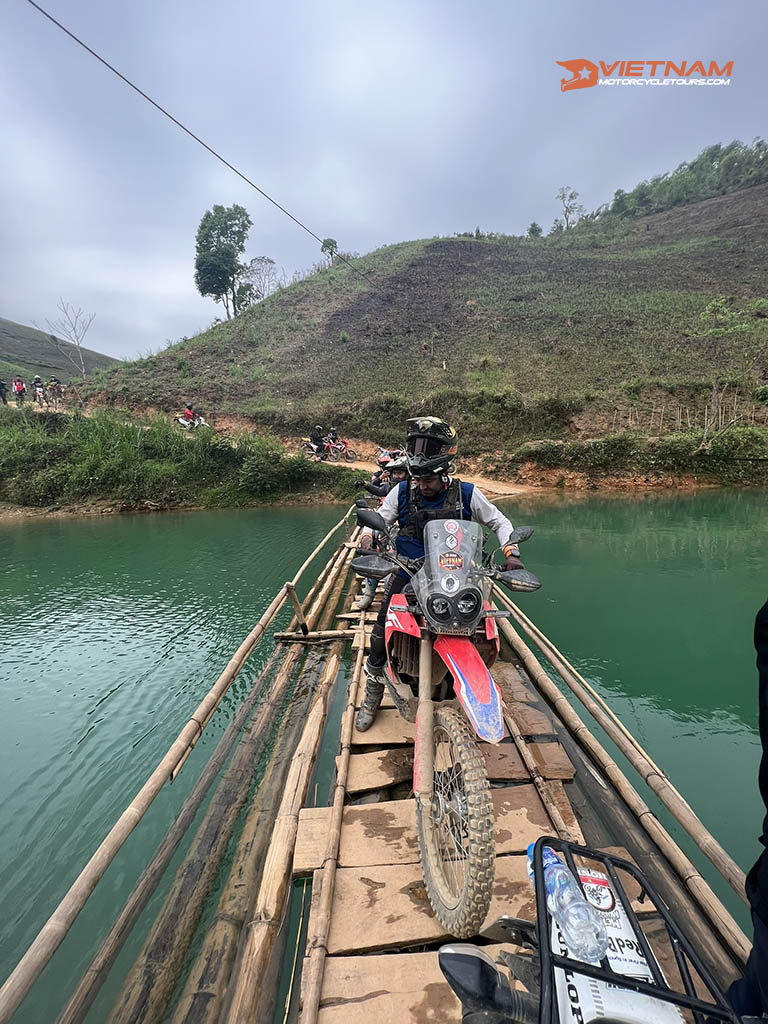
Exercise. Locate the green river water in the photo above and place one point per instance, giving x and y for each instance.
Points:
(114, 628)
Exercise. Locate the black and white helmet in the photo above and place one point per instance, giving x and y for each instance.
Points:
(431, 446)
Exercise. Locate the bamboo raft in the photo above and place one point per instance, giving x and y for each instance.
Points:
(320, 892)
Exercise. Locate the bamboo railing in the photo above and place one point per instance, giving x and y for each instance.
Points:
(266, 914)
(52, 934)
(723, 923)
(317, 943)
(637, 757)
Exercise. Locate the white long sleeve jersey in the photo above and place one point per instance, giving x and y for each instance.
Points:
(483, 512)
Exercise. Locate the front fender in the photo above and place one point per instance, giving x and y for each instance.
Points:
(473, 685)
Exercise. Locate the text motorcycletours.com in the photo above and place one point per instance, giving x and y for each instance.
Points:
(585, 74)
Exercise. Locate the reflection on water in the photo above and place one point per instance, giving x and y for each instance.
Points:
(654, 601)
(114, 631)
(115, 628)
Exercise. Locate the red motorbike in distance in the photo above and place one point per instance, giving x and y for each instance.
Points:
(338, 448)
(441, 639)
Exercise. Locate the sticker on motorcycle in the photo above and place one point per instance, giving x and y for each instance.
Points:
(450, 526)
(450, 560)
(451, 542)
(449, 584)
(598, 891)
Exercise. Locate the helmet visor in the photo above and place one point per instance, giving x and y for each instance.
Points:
(430, 447)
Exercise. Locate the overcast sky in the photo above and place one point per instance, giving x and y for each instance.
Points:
(372, 123)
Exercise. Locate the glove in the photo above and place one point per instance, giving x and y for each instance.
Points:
(366, 542)
(360, 483)
(512, 556)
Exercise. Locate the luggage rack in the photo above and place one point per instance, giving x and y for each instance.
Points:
(703, 1012)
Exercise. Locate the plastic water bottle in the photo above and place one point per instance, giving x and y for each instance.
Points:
(580, 923)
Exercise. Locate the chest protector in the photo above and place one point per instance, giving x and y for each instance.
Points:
(414, 512)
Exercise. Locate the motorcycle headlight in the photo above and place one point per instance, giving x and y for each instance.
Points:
(468, 604)
(439, 608)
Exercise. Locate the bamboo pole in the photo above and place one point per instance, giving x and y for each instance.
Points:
(637, 757)
(151, 981)
(52, 934)
(724, 924)
(317, 944)
(94, 977)
(266, 915)
(314, 636)
(541, 784)
(301, 621)
(204, 991)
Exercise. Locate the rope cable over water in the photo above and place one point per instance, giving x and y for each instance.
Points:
(197, 138)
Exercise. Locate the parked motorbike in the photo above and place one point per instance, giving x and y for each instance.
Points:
(339, 448)
(627, 987)
(441, 638)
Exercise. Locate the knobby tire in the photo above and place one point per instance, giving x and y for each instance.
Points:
(459, 887)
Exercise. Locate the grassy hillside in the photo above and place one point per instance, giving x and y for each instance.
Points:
(577, 334)
(27, 351)
(49, 459)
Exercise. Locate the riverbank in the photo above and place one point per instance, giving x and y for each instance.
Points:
(109, 462)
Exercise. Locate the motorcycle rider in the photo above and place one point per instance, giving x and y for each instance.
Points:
(19, 389)
(317, 440)
(398, 471)
(3, 392)
(432, 494)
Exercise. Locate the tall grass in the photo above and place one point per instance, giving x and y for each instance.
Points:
(48, 458)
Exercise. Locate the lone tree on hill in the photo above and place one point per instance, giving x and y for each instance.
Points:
(534, 230)
(329, 248)
(219, 269)
(572, 208)
(73, 326)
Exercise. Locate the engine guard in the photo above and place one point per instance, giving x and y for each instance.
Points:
(473, 685)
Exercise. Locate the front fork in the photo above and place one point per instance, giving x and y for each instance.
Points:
(424, 751)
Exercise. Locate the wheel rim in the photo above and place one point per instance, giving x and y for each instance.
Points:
(449, 815)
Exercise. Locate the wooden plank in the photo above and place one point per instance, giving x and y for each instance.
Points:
(408, 988)
(530, 721)
(512, 683)
(370, 617)
(503, 762)
(560, 799)
(386, 833)
(388, 728)
(387, 906)
(377, 769)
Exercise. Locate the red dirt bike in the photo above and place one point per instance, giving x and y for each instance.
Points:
(338, 448)
(441, 638)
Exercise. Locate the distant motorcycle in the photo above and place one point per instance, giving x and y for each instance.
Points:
(339, 448)
(314, 451)
(198, 421)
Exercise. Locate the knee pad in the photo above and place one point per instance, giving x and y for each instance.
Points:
(378, 653)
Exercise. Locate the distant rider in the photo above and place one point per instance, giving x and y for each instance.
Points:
(317, 440)
(39, 390)
(3, 392)
(19, 389)
(433, 494)
(189, 413)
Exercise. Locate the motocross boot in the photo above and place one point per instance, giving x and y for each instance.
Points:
(374, 694)
(366, 598)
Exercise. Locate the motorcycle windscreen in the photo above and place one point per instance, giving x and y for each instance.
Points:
(450, 586)
(473, 685)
